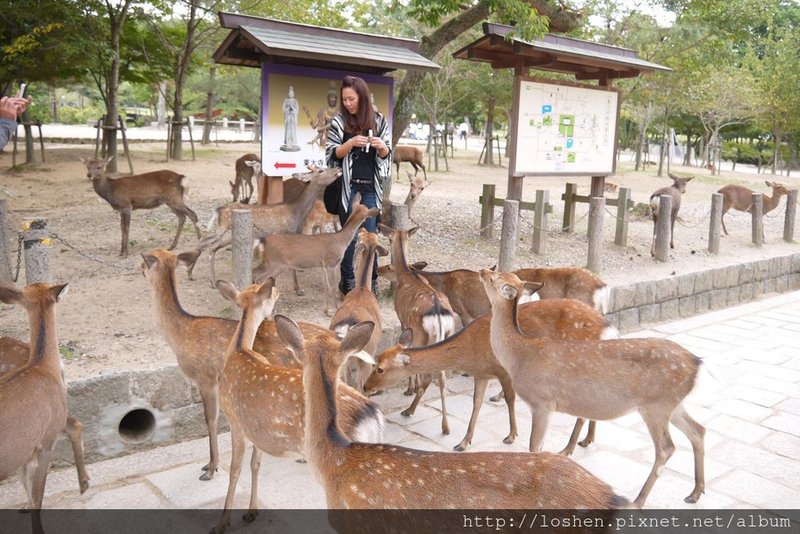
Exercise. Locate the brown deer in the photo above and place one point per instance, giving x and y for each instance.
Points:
(14, 354)
(412, 155)
(33, 398)
(199, 342)
(598, 380)
(422, 309)
(361, 305)
(569, 283)
(378, 476)
(675, 191)
(141, 192)
(264, 403)
(243, 183)
(280, 218)
(318, 219)
(740, 198)
(416, 187)
(554, 318)
(280, 252)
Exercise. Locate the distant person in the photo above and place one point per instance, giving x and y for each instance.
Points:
(11, 107)
(358, 142)
(463, 130)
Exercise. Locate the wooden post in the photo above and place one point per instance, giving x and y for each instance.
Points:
(663, 228)
(487, 211)
(598, 186)
(621, 234)
(508, 238)
(569, 208)
(242, 222)
(597, 208)
(191, 140)
(715, 225)
(515, 187)
(540, 222)
(36, 243)
(5, 259)
(758, 219)
(125, 142)
(791, 210)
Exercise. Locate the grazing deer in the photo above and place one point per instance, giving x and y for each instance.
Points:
(141, 192)
(279, 252)
(199, 342)
(280, 218)
(411, 154)
(264, 403)
(378, 476)
(360, 304)
(14, 354)
(598, 380)
(33, 398)
(740, 198)
(469, 351)
(677, 188)
(422, 309)
(243, 184)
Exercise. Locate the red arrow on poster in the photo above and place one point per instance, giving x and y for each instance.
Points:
(285, 165)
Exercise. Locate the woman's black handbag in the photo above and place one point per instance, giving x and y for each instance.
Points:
(333, 196)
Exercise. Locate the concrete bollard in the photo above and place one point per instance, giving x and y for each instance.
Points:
(508, 236)
(791, 210)
(400, 219)
(757, 210)
(36, 244)
(664, 228)
(5, 257)
(715, 226)
(621, 232)
(242, 220)
(597, 207)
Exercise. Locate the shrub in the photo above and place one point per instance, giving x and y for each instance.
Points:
(69, 115)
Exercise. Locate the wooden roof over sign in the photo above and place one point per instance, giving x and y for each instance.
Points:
(585, 59)
(254, 40)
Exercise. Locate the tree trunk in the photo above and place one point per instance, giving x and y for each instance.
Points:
(687, 159)
(112, 102)
(489, 139)
(209, 105)
(184, 58)
(776, 151)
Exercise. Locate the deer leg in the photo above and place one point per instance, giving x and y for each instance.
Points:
(477, 400)
(237, 452)
(211, 412)
(297, 289)
(213, 256)
(416, 169)
(181, 220)
(193, 217)
(25, 476)
(498, 397)
(125, 225)
(672, 231)
(510, 397)
(73, 431)
(540, 418)
(329, 275)
(696, 434)
(443, 394)
(573, 438)
(38, 483)
(589, 439)
(421, 388)
(656, 425)
(653, 245)
(255, 465)
(723, 224)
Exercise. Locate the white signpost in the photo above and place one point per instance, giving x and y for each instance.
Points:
(564, 129)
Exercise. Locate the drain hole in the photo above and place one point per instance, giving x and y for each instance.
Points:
(137, 425)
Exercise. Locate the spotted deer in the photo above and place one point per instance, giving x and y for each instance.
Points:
(422, 309)
(598, 380)
(141, 192)
(33, 398)
(199, 341)
(264, 403)
(378, 476)
(15, 354)
(675, 191)
(740, 198)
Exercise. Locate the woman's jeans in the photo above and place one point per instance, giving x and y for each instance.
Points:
(369, 199)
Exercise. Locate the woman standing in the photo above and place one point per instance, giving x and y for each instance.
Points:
(358, 142)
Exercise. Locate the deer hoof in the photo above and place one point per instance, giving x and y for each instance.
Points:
(445, 430)
(497, 398)
(407, 413)
(461, 447)
(84, 485)
(249, 517)
(508, 440)
(408, 392)
(586, 442)
(567, 451)
(300, 292)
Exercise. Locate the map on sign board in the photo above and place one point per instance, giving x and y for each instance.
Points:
(565, 129)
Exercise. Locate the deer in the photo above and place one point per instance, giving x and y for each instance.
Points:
(422, 309)
(199, 341)
(378, 476)
(33, 398)
(361, 305)
(570, 283)
(243, 183)
(141, 192)
(740, 198)
(283, 217)
(598, 380)
(264, 403)
(412, 155)
(318, 219)
(14, 354)
(554, 318)
(417, 186)
(675, 191)
(279, 252)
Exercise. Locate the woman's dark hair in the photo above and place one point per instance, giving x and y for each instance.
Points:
(364, 118)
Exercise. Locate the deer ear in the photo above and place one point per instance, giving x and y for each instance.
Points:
(59, 292)
(402, 359)
(385, 230)
(84, 161)
(10, 294)
(290, 334)
(266, 289)
(507, 291)
(149, 260)
(769, 184)
(406, 337)
(227, 290)
(419, 265)
(689, 179)
(188, 258)
(382, 251)
(356, 339)
(412, 231)
(360, 247)
(529, 289)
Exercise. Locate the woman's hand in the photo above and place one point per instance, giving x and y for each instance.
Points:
(358, 141)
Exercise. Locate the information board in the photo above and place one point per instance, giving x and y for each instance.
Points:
(565, 129)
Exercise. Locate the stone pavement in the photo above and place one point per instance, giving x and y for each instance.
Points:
(748, 398)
